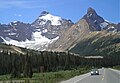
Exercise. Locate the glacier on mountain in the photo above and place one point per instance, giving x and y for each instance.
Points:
(38, 42)
(55, 20)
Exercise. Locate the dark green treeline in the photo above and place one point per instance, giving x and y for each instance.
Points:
(19, 65)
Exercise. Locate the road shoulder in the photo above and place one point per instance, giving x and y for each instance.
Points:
(76, 78)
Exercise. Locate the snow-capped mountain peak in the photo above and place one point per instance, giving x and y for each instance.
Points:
(47, 17)
(44, 13)
(48, 28)
(15, 21)
(37, 35)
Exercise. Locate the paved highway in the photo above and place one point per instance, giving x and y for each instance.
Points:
(106, 76)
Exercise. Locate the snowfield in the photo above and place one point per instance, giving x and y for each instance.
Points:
(38, 42)
(55, 20)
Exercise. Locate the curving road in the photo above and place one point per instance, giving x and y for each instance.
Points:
(106, 76)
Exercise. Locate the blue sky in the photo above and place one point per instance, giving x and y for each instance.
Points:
(28, 10)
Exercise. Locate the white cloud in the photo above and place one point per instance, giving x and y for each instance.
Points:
(17, 15)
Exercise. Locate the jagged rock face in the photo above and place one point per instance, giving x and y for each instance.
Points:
(97, 23)
(44, 13)
(91, 24)
(93, 19)
(16, 30)
(38, 35)
(118, 26)
(49, 32)
(51, 26)
(71, 36)
(1, 40)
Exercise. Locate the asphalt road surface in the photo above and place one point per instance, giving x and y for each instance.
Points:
(106, 76)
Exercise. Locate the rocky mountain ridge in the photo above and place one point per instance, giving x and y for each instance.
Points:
(37, 35)
(50, 32)
(90, 28)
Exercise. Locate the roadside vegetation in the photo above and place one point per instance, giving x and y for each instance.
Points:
(48, 77)
(116, 67)
(48, 66)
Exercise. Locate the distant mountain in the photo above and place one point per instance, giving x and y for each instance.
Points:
(16, 30)
(90, 35)
(97, 23)
(51, 26)
(94, 20)
(37, 35)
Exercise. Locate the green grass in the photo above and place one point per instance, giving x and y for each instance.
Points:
(4, 77)
(49, 77)
(116, 67)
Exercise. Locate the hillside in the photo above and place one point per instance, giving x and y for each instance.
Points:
(15, 49)
(98, 43)
(36, 35)
(90, 35)
(11, 48)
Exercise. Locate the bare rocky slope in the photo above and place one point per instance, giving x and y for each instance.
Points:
(37, 35)
(90, 35)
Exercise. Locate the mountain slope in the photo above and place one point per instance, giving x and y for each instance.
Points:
(38, 35)
(71, 36)
(98, 43)
(90, 35)
(11, 48)
(50, 25)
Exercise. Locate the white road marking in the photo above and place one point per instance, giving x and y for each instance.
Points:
(102, 78)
